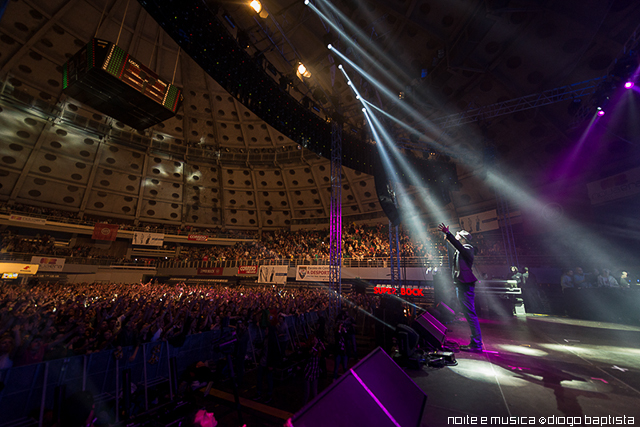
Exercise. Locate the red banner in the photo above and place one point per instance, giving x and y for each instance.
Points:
(198, 237)
(248, 269)
(216, 271)
(105, 231)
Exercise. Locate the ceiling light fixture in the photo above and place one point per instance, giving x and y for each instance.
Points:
(302, 70)
(257, 6)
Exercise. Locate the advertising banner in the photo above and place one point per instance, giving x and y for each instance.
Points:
(213, 271)
(385, 289)
(273, 274)
(198, 237)
(11, 267)
(248, 269)
(615, 187)
(312, 273)
(48, 264)
(148, 239)
(105, 231)
(29, 219)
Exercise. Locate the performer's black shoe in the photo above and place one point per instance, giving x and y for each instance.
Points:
(471, 348)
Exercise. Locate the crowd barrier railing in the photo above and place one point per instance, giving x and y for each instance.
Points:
(294, 262)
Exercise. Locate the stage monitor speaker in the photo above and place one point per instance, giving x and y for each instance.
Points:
(375, 392)
(411, 338)
(430, 329)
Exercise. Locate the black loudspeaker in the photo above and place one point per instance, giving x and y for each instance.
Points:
(375, 392)
(386, 196)
(409, 339)
(430, 329)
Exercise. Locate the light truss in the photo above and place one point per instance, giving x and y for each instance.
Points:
(551, 96)
(394, 256)
(335, 232)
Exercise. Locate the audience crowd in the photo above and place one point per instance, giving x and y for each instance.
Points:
(59, 215)
(51, 321)
(46, 245)
(359, 242)
(578, 279)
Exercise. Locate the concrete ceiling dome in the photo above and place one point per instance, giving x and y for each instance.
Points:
(217, 163)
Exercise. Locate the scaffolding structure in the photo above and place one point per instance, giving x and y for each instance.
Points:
(394, 256)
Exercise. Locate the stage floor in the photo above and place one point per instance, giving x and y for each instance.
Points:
(537, 366)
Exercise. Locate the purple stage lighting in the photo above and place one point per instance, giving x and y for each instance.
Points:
(628, 85)
(600, 112)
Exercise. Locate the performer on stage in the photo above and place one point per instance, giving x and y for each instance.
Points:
(461, 261)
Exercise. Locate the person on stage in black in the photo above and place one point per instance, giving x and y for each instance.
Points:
(461, 261)
(516, 275)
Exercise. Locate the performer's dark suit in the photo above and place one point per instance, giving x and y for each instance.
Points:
(461, 261)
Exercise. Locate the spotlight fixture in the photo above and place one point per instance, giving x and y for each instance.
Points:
(302, 70)
(306, 2)
(600, 111)
(257, 6)
(364, 110)
(628, 85)
(329, 46)
(340, 67)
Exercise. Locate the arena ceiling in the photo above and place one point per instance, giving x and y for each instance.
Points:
(446, 57)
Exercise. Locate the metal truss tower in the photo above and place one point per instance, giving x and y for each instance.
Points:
(394, 245)
(335, 232)
(394, 259)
